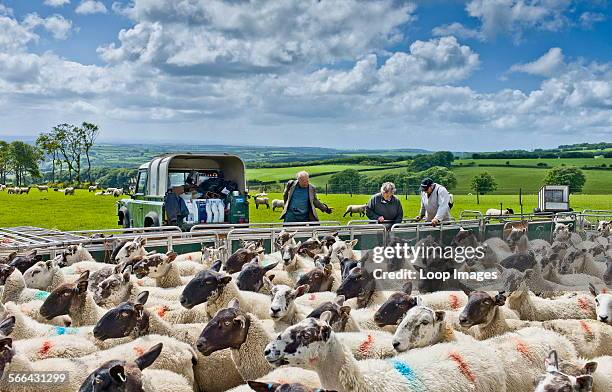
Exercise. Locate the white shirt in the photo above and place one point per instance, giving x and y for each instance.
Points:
(436, 205)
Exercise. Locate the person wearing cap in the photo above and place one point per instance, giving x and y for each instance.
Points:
(384, 207)
(434, 202)
(301, 200)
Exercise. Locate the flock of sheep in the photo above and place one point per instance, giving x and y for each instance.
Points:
(310, 317)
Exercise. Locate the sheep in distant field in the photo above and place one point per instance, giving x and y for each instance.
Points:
(11, 190)
(260, 200)
(117, 192)
(498, 212)
(69, 191)
(355, 208)
(312, 344)
(92, 188)
(2, 187)
(99, 193)
(603, 304)
(276, 203)
(42, 188)
(24, 190)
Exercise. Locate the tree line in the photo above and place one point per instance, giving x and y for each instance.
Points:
(68, 147)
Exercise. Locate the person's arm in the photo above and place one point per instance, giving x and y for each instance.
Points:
(443, 209)
(370, 209)
(286, 192)
(400, 212)
(422, 210)
(319, 204)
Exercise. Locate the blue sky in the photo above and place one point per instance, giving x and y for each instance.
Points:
(460, 75)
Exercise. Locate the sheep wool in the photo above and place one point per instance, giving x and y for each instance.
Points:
(590, 337)
(530, 307)
(369, 344)
(258, 304)
(248, 358)
(15, 290)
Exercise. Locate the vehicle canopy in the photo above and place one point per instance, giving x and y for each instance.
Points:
(161, 168)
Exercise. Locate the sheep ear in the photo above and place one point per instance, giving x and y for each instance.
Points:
(49, 264)
(267, 281)
(83, 282)
(140, 241)
(440, 315)
(7, 325)
(418, 301)
(171, 256)
(147, 359)
(240, 319)
(117, 373)
(340, 300)
(271, 266)
(6, 343)
(590, 367)
(500, 299)
(126, 273)
(585, 383)
(224, 280)
(234, 303)
(551, 362)
(326, 316)
(300, 290)
(467, 291)
(407, 288)
(352, 243)
(259, 386)
(216, 266)
(142, 297)
(593, 290)
(345, 311)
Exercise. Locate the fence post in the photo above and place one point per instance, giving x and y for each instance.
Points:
(325, 189)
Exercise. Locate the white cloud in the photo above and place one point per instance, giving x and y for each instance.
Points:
(457, 30)
(588, 19)
(547, 65)
(217, 37)
(513, 16)
(87, 7)
(56, 24)
(56, 3)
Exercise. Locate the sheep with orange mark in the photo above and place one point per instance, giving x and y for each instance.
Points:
(312, 344)
(177, 357)
(590, 337)
(531, 307)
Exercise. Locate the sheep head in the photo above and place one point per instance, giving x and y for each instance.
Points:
(227, 329)
(126, 319)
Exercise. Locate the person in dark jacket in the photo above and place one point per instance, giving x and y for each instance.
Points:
(301, 200)
(384, 207)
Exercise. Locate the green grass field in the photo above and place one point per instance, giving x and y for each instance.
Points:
(283, 173)
(86, 211)
(535, 161)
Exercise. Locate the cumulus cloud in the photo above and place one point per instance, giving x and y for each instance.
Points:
(547, 65)
(188, 37)
(56, 3)
(87, 7)
(513, 16)
(457, 30)
(56, 24)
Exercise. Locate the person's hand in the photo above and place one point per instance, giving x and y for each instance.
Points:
(381, 219)
(329, 210)
(435, 221)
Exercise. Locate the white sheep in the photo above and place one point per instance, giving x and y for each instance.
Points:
(69, 191)
(15, 290)
(343, 250)
(355, 209)
(42, 188)
(260, 200)
(283, 309)
(162, 268)
(423, 326)
(277, 203)
(498, 212)
(531, 307)
(76, 253)
(603, 304)
(590, 337)
(571, 281)
(44, 275)
(176, 357)
(312, 344)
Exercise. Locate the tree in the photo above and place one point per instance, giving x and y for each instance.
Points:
(482, 184)
(24, 160)
(346, 180)
(439, 174)
(89, 134)
(48, 145)
(566, 175)
(5, 152)
(440, 158)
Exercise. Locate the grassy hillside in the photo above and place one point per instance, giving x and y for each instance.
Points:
(86, 211)
(284, 173)
(533, 162)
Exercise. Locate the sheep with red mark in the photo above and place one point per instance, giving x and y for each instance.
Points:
(590, 337)
(531, 307)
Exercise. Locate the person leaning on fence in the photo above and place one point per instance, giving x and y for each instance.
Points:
(435, 201)
(301, 200)
(384, 207)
